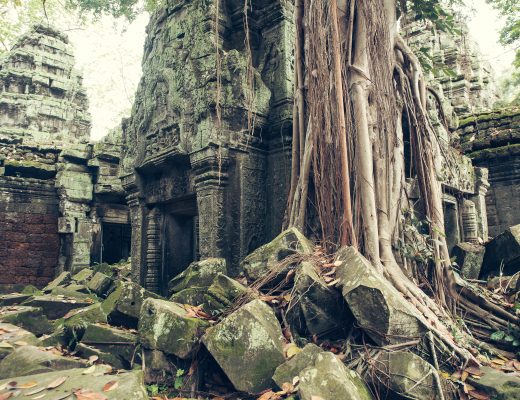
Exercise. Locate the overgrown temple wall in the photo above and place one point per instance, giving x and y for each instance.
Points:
(492, 140)
(55, 187)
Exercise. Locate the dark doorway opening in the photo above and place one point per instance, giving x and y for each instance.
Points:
(451, 224)
(116, 242)
(180, 245)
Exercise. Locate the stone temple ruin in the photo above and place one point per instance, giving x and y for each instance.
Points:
(192, 190)
(183, 179)
(61, 201)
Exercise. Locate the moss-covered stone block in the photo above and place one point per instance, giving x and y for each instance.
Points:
(100, 284)
(384, 314)
(13, 299)
(269, 256)
(61, 280)
(130, 384)
(223, 292)
(408, 375)
(193, 296)
(118, 342)
(497, 384)
(248, 346)
(83, 276)
(199, 274)
(293, 367)
(330, 379)
(29, 360)
(54, 307)
(315, 308)
(85, 351)
(12, 337)
(124, 304)
(469, 258)
(502, 254)
(166, 326)
(29, 318)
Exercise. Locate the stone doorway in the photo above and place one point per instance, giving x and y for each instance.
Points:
(116, 242)
(180, 245)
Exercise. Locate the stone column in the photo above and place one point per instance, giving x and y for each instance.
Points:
(210, 166)
(481, 188)
(137, 211)
(153, 251)
(469, 221)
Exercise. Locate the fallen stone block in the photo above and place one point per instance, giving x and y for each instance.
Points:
(100, 284)
(315, 308)
(193, 296)
(265, 258)
(29, 360)
(502, 254)
(13, 299)
(497, 384)
(85, 351)
(118, 342)
(199, 274)
(159, 368)
(29, 318)
(54, 307)
(248, 346)
(407, 375)
(83, 317)
(469, 258)
(124, 304)
(166, 326)
(330, 379)
(12, 336)
(129, 384)
(83, 276)
(378, 307)
(73, 291)
(61, 280)
(292, 368)
(223, 292)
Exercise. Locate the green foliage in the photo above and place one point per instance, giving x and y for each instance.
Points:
(437, 11)
(117, 8)
(179, 379)
(510, 35)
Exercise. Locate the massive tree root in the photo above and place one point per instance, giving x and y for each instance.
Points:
(356, 80)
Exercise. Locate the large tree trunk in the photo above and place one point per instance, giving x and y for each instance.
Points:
(362, 78)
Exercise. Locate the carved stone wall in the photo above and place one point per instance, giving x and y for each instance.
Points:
(492, 140)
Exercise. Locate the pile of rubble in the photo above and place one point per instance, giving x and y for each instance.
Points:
(297, 325)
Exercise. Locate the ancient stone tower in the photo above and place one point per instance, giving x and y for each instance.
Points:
(207, 153)
(53, 183)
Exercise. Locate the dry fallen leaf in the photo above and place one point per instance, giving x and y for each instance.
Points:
(88, 395)
(110, 386)
(5, 396)
(40, 396)
(35, 391)
(317, 398)
(479, 395)
(57, 382)
(92, 359)
(287, 388)
(21, 343)
(27, 385)
(291, 350)
(267, 395)
(6, 345)
(464, 376)
(474, 371)
(89, 370)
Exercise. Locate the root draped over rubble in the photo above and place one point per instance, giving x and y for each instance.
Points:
(357, 82)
